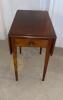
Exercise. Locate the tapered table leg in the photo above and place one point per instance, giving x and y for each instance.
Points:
(46, 63)
(14, 51)
(40, 50)
(10, 46)
(20, 49)
(52, 47)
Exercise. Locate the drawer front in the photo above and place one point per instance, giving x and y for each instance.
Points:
(31, 42)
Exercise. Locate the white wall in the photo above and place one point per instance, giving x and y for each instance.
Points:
(57, 19)
(1, 27)
(2, 35)
(25, 4)
(7, 14)
(44, 4)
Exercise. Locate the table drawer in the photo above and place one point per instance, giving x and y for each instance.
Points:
(31, 42)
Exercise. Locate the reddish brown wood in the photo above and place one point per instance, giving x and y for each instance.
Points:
(35, 42)
(14, 51)
(47, 55)
(52, 46)
(32, 28)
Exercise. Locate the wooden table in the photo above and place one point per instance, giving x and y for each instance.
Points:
(32, 28)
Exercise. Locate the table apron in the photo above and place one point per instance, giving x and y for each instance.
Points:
(31, 42)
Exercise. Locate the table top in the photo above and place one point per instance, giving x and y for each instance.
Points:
(32, 24)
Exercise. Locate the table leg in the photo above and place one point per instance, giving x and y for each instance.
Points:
(52, 47)
(20, 49)
(46, 62)
(10, 47)
(40, 50)
(14, 51)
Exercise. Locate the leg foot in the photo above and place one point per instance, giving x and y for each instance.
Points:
(46, 64)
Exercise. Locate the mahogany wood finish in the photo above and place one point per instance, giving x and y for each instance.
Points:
(32, 28)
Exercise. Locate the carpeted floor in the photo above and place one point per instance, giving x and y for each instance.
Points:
(30, 68)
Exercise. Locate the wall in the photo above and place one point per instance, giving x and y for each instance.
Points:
(56, 14)
(25, 4)
(7, 13)
(2, 35)
(44, 4)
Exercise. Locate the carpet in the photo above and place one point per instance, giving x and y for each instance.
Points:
(30, 69)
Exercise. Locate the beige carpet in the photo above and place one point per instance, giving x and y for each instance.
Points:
(30, 67)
